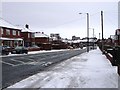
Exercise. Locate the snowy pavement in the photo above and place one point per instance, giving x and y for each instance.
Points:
(88, 70)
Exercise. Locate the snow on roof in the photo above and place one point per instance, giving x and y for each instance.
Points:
(80, 41)
(6, 24)
(54, 38)
(26, 30)
(90, 40)
(77, 41)
(39, 34)
(70, 41)
(64, 40)
(19, 39)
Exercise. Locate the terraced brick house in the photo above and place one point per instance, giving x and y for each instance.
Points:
(10, 35)
(28, 36)
(42, 40)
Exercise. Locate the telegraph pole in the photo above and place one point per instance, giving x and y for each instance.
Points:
(87, 32)
(102, 30)
(93, 38)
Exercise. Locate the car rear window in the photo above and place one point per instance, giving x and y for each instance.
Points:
(18, 47)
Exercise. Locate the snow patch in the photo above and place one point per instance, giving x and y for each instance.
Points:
(89, 70)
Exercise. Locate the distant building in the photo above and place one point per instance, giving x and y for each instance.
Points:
(57, 42)
(55, 36)
(42, 40)
(75, 38)
(10, 35)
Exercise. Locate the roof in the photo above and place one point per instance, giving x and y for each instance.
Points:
(54, 38)
(6, 24)
(39, 34)
(26, 30)
(80, 41)
(90, 40)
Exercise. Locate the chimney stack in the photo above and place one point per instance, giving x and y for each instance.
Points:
(27, 26)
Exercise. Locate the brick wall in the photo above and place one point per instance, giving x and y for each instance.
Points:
(11, 33)
(42, 40)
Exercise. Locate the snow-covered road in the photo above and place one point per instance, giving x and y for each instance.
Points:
(89, 70)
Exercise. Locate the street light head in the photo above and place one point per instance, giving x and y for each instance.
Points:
(84, 13)
(80, 13)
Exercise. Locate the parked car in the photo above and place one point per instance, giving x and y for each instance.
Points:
(34, 48)
(81, 46)
(70, 47)
(8, 48)
(19, 50)
(3, 51)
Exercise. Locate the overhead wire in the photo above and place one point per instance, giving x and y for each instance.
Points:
(72, 21)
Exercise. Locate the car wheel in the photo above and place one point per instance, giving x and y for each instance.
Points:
(26, 52)
(7, 53)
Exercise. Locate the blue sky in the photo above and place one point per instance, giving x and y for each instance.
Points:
(63, 17)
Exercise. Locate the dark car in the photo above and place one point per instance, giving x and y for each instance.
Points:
(8, 48)
(19, 50)
(3, 51)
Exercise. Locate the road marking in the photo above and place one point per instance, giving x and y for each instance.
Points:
(30, 63)
(23, 63)
(22, 57)
(42, 58)
(54, 56)
(8, 63)
(36, 63)
(46, 63)
(17, 61)
(37, 55)
(31, 60)
(31, 56)
(20, 64)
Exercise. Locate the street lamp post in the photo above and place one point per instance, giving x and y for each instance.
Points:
(102, 31)
(93, 36)
(87, 30)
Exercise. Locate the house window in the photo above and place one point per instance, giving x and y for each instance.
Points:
(14, 32)
(28, 35)
(33, 35)
(1, 29)
(7, 32)
(18, 33)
